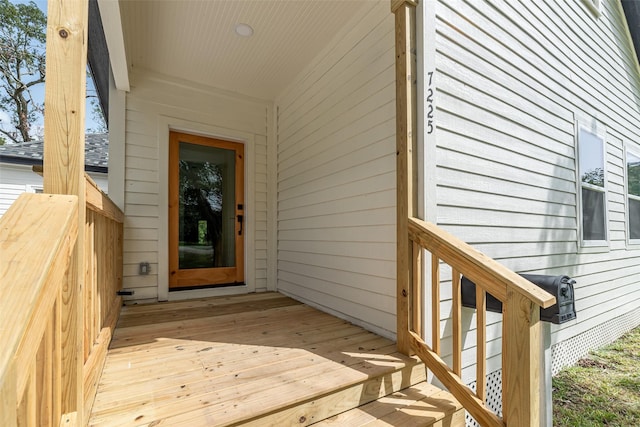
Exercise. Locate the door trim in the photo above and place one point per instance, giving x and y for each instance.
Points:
(214, 276)
(160, 288)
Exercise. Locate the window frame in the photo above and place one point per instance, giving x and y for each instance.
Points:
(636, 153)
(599, 131)
(38, 189)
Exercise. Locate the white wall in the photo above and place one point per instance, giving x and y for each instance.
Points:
(511, 79)
(154, 106)
(336, 176)
(17, 179)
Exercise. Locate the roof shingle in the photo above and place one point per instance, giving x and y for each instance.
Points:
(96, 152)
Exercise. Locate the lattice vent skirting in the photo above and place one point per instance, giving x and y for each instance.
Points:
(565, 353)
(568, 352)
(494, 395)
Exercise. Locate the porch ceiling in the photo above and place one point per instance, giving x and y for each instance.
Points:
(195, 40)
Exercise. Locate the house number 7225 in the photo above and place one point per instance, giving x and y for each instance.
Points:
(430, 103)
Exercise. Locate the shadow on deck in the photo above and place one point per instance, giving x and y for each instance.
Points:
(258, 359)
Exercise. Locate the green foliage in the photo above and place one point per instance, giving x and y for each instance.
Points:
(633, 177)
(96, 110)
(594, 177)
(200, 195)
(22, 64)
(603, 389)
(98, 118)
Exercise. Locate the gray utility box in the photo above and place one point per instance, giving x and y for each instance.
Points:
(560, 287)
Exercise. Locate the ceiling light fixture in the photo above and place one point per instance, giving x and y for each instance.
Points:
(244, 30)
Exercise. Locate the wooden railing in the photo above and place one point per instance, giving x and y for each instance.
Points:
(103, 279)
(521, 302)
(38, 235)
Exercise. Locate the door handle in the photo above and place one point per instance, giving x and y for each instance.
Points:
(240, 219)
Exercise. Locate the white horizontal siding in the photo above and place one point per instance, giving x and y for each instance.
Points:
(510, 78)
(8, 194)
(154, 99)
(17, 179)
(336, 176)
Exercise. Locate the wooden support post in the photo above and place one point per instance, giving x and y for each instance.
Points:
(406, 106)
(520, 361)
(64, 123)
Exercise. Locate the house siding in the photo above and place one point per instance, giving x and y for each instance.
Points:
(511, 80)
(154, 105)
(336, 176)
(17, 179)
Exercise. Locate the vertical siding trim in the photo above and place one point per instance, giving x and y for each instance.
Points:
(427, 178)
(117, 123)
(272, 197)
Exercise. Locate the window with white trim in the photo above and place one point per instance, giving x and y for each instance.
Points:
(633, 196)
(592, 184)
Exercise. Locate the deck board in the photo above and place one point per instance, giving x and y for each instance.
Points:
(231, 360)
(420, 405)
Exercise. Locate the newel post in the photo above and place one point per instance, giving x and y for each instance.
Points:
(521, 348)
(406, 138)
(64, 122)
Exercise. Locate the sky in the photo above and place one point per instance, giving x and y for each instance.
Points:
(38, 91)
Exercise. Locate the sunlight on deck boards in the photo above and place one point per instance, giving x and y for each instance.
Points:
(420, 405)
(264, 359)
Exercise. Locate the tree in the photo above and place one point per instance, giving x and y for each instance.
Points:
(594, 177)
(633, 178)
(22, 64)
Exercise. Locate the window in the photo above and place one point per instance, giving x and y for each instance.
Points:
(34, 189)
(592, 194)
(633, 197)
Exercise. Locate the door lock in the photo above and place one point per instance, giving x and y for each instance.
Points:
(240, 219)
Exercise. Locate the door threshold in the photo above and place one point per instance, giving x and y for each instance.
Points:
(212, 286)
(209, 291)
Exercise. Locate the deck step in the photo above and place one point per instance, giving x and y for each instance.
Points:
(420, 405)
(405, 373)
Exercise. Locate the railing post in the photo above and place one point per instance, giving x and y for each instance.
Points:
(64, 120)
(520, 361)
(405, 12)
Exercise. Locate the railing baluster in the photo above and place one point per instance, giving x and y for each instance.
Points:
(30, 401)
(416, 290)
(99, 246)
(481, 350)
(44, 376)
(435, 302)
(457, 321)
(89, 284)
(56, 358)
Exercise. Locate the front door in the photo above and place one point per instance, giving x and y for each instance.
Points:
(206, 210)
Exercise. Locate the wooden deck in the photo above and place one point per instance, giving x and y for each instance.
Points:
(261, 359)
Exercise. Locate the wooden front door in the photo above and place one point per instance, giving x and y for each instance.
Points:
(206, 212)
